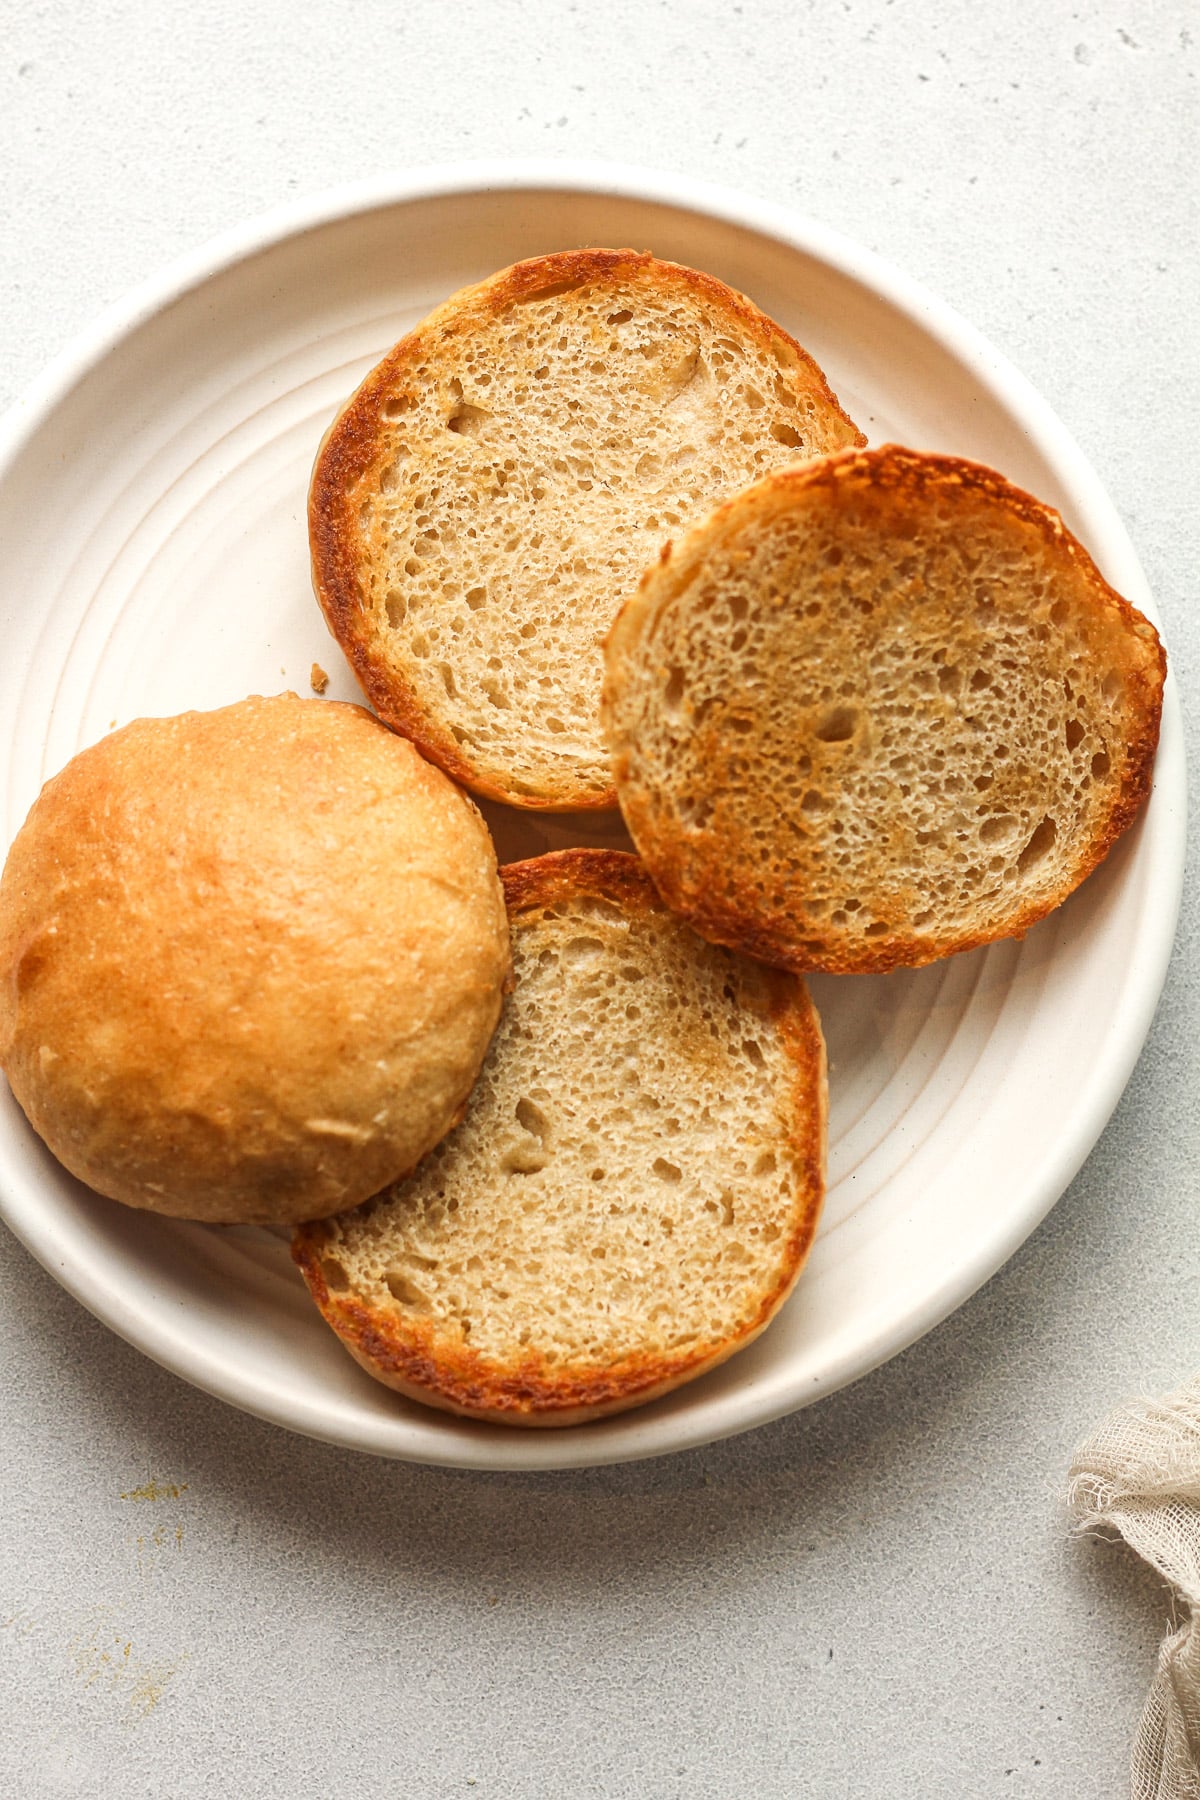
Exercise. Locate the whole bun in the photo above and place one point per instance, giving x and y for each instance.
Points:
(250, 961)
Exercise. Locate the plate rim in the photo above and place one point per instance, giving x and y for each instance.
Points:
(593, 1445)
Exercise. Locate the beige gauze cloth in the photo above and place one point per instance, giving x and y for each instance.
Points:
(1140, 1475)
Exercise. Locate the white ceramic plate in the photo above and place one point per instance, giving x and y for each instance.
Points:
(153, 558)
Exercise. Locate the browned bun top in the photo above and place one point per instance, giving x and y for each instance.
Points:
(633, 1188)
(250, 960)
(487, 498)
(877, 709)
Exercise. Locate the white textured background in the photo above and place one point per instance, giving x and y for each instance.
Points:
(879, 1597)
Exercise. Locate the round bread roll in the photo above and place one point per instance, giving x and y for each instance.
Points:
(633, 1190)
(879, 708)
(250, 961)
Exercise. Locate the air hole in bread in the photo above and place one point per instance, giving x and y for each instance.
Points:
(1100, 764)
(1112, 686)
(582, 949)
(396, 405)
(531, 1118)
(999, 825)
(666, 1171)
(396, 607)
(1039, 845)
(1060, 612)
(620, 318)
(787, 434)
(551, 291)
(468, 421)
(524, 1159)
(877, 928)
(673, 692)
(1075, 734)
(337, 1280)
(405, 1290)
(838, 725)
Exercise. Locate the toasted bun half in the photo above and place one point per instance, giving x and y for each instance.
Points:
(876, 710)
(633, 1189)
(489, 496)
(250, 960)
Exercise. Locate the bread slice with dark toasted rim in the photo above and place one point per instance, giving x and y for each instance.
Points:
(487, 499)
(635, 1185)
(878, 709)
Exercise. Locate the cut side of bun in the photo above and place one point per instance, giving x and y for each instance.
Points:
(876, 710)
(487, 499)
(635, 1185)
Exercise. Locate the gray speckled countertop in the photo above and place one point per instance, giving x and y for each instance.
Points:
(879, 1596)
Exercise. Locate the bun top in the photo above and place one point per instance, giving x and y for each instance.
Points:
(250, 960)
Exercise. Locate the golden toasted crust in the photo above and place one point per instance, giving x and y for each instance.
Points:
(353, 537)
(250, 960)
(925, 662)
(534, 1383)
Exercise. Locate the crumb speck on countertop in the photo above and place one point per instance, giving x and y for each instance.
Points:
(157, 1490)
(318, 680)
(106, 1660)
